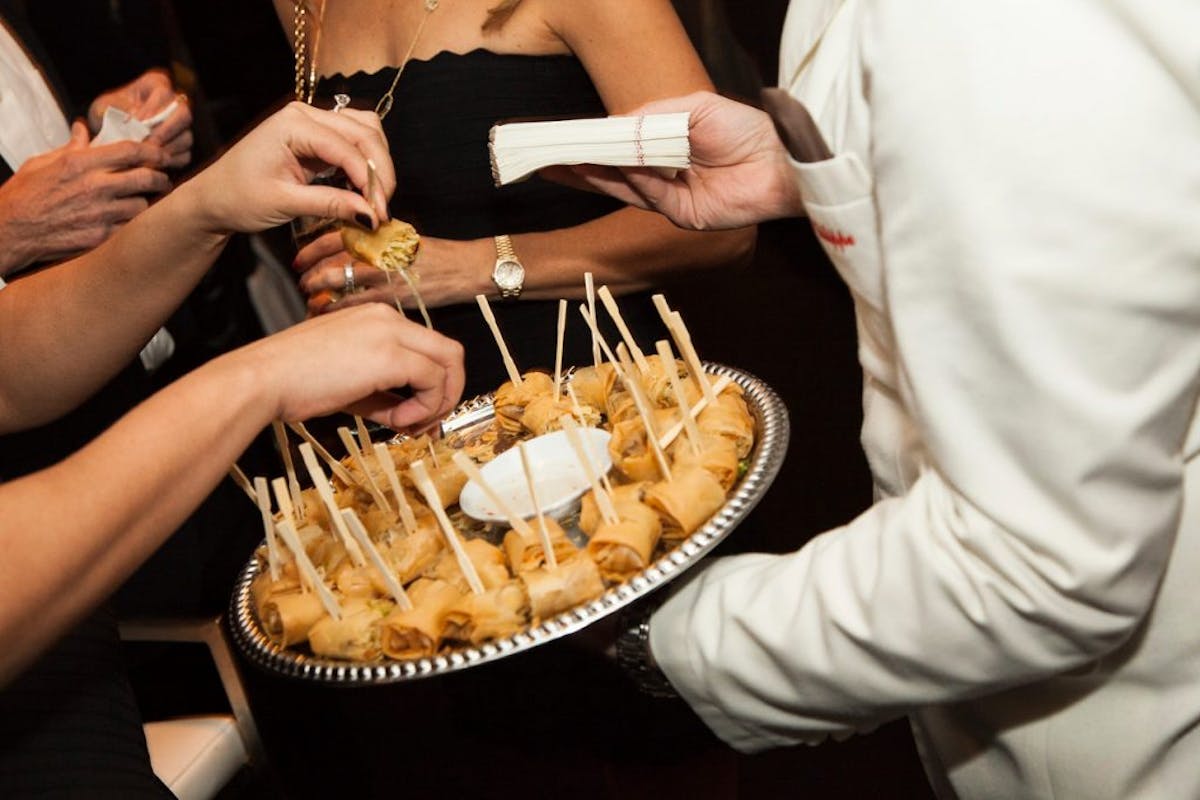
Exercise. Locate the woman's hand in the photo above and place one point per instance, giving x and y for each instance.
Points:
(353, 362)
(739, 174)
(447, 272)
(264, 180)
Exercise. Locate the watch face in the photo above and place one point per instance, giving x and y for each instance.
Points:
(509, 274)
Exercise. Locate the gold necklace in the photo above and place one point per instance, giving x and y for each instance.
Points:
(306, 57)
(385, 103)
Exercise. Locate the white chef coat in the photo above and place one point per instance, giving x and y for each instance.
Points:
(1024, 586)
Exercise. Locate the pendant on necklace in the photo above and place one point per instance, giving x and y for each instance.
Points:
(431, 5)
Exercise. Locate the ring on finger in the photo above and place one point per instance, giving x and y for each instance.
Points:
(348, 278)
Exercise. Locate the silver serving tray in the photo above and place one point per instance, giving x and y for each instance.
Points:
(765, 461)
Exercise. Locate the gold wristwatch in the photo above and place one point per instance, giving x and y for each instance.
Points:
(509, 272)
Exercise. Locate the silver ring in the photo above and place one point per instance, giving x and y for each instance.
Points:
(348, 278)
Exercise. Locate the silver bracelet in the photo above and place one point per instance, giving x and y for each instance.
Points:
(633, 651)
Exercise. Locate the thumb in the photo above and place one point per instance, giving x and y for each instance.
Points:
(80, 137)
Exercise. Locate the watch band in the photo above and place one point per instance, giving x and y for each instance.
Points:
(633, 651)
(504, 248)
(507, 263)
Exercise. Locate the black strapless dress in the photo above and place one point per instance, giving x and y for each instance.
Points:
(438, 132)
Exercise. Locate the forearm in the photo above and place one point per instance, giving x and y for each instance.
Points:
(627, 250)
(101, 307)
(73, 532)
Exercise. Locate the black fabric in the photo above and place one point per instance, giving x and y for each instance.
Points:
(70, 727)
(438, 132)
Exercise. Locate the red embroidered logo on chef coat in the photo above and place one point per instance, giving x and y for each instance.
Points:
(839, 241)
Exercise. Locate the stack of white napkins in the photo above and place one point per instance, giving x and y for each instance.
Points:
(519, 149)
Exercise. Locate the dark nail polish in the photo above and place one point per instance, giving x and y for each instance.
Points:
(365, 221)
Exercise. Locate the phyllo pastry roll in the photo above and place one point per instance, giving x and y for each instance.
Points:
(510, 399)
(552, 591)
(543, 413)
(354, 637)
(413, 554)
(593, 385)
(730, 417)
(589, 511)
(657, 382)
(625, 548)
(263, 588)
(686, 501)
(447, 478)
(717, 454)
(488, 560)
(287, 618)
(352, 581)
(418, 633)
(525, 554)
(496, 613)
(392, 246)
(632, 453)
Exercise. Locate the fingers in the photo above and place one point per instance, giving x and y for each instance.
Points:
(150, 93)
(330, 274)
(313, 200)
(312, 254)
(123, 155)
(175, 132)
(363, 130)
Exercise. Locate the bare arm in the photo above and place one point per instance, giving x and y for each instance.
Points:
(63, 332)
(73, 532)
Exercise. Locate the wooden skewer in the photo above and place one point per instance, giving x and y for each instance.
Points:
(665, 440)
(361, 462)
(614, 312)
(389, 575)
(407, 518)
(336, 466)
(667, 358)
(421, 479)
(239, 477)
(325, 492)
(684, 340)
(515, 521)
(603, 500)
(287, 532)
(263, 500)
(590, 288)
(543, 532)
(643, 407)
(364, 435)
(514, 374)
(558, 349)
(599, 338)
(285, 450)
(279, 488)
(579, 413)
(287, 513)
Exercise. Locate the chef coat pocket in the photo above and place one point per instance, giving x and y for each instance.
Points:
(840, 203)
